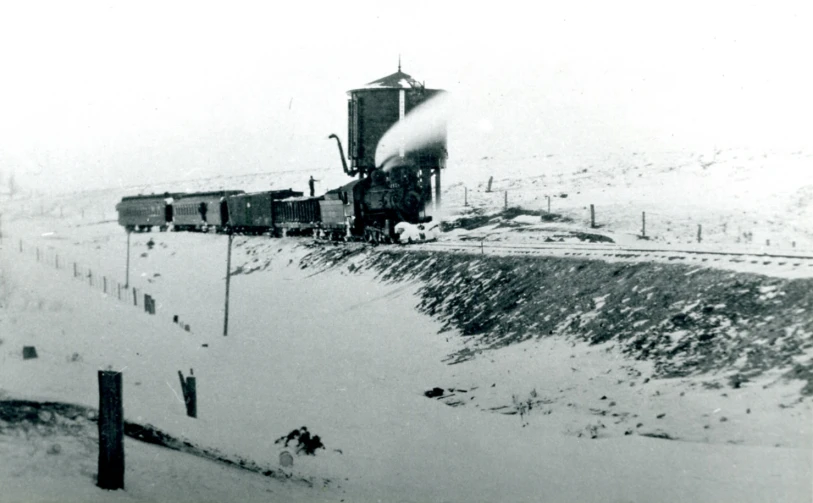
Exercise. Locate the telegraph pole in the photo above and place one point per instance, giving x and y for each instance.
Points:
(228, 280)
(127, 275)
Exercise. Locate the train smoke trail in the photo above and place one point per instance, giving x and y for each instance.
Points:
(424, 125)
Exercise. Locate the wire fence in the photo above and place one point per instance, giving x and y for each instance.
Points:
(109, 286)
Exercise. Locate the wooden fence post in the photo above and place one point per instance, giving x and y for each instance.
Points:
(29, 352)
(506, 199)
(490, 179)
(592, 216)
(111, 431)
(548, 204)
(190, 393)
(135, 297)
(699, 233)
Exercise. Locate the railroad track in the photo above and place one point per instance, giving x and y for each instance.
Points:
(781, 264)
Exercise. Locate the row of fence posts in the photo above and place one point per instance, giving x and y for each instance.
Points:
(148, 300)
(120, 291)
(111, 424)
(593, 215)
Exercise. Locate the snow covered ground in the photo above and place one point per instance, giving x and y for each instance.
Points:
(350, 357)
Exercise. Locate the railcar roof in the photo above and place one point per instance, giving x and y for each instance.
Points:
(293, 193)
(221, 193)
(165, 195)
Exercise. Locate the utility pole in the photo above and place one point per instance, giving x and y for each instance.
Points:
(228, 280)
(127, 274)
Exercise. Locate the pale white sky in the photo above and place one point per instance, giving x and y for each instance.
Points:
(102, 94)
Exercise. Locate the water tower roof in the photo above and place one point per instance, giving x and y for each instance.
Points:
(398, 80)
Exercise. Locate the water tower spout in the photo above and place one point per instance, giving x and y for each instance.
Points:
(348, 171)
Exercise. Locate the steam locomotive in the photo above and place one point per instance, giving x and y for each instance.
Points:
(397, 190)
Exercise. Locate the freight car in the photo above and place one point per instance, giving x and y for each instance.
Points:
(258, 212)
(141, 213)
(202, 211)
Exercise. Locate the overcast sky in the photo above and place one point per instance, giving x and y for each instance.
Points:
(106, 94)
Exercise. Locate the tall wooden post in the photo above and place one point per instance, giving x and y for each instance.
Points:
(465, 196)
(111, 431)
(699, 233)
(228, 281)
(506, 199)
(592, 216)
(643, 224)
(127, 274)
(490, 179)
(548, 204)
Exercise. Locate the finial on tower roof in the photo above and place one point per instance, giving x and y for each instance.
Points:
(399, 62)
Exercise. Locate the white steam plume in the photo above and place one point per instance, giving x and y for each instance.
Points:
(424, 125)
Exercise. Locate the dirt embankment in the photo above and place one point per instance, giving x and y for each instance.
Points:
(687, 321)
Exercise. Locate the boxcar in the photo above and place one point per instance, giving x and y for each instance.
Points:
(202, 211)
(254, 213)
(141, 213)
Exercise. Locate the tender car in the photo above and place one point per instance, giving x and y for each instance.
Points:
(406, 232)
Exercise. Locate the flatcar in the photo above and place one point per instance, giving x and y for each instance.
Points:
(142, 212)
(202, 211)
